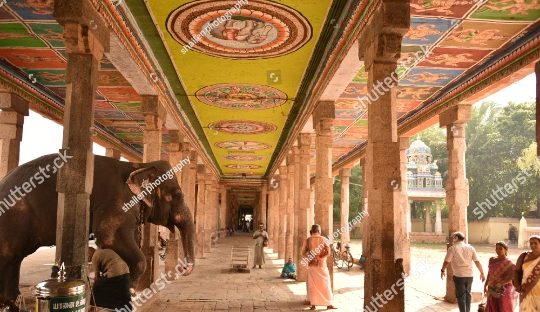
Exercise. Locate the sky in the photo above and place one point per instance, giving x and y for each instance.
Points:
(42, 136)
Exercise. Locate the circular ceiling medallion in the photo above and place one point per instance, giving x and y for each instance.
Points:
(242, 127)
(231, 29)
(242, 145)
(245, 97)
(241, 166)
(244, 157)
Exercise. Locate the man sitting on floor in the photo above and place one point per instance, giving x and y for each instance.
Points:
(289, 270)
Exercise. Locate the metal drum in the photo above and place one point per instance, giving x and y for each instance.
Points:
(61, 294)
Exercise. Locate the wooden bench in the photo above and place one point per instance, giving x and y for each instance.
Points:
(240, 259)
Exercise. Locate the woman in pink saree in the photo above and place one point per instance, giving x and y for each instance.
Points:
(498, 286)
(528, 265)
(316, 250)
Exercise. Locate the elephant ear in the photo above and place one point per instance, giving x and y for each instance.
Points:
(139, 181)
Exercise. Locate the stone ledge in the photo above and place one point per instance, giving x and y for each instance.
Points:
(427, 238)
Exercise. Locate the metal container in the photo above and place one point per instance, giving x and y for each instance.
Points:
(61, 294)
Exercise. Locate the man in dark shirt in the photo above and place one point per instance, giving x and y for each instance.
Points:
(111, 287)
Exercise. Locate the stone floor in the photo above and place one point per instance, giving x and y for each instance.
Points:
(212, 288)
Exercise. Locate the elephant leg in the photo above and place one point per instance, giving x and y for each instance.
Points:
(125, 245)
(10, 269)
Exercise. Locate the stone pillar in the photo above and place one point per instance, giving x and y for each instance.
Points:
(199, 210)
(84, 47)
(270, 220)
(345, 175)
(275, 215)
(154, 115)
(283, 187)
(113, 153)
(223, 208)
(428, 217)
(365, 219)
(409, 223)
(174, 244)
(403, 243)
(189, 178)
(263, 201)
(208, 211)
(296, 205)
(383, 157)
(438, 222)
(14, 108)
(304, 203)
(323, 116)
(289, 242)
(311, 216)
(537, 72)
(457, 185)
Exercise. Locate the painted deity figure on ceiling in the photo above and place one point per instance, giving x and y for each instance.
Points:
(250, 31)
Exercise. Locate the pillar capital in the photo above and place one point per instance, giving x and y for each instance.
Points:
(84, 28)
(404, 143)
(304, 140)
(324, 110)
(10, 101)
(345, 172)
(113, 153)
(175, 141)
(201, 173)
(208, 178)
(458, 114)
(150, 105)
(283, 172)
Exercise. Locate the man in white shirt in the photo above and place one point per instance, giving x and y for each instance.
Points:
(461, 256)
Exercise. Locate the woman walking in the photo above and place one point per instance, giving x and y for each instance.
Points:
(498, 287)
(527, 275)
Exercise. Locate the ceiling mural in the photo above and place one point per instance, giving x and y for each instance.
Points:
(235, 68)
(238, 29)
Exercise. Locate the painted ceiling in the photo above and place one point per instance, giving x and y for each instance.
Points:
(235, 67)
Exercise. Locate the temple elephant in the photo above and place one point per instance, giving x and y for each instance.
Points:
(28, 215)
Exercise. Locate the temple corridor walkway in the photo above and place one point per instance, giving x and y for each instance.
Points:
(212, 288)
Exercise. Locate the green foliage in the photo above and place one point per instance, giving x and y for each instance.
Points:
(355, 194)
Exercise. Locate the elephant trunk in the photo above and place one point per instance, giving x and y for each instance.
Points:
(187, 234)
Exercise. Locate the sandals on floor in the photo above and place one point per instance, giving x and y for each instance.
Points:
(312, 307)
(330, 307)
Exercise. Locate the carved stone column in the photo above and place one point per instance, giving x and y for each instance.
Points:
(84, 47)
(304, 203)
(428, 217)
(438, 222)
(409, 208)
(457, 185)
(270, 221)
(223, 208)
(365, 219)
(289, 243)
(323, 116)
(296, 205)
(284, 188)
(208, 211)
(403, 243)
(383, 157)
(189, 179)
(345, 175)
(199, 210)
(14, 108)
(263, 202)
(174, 244)
(154, 114)
(311, 216)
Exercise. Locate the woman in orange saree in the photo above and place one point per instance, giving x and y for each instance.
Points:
(498, 286)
